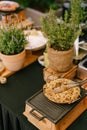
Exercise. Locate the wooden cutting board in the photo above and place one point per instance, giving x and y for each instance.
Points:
(30, 58)
(50, 74)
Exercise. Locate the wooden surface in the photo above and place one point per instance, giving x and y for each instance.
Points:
(72, 115)
(30, 58)
(50, 74)
(46, 124)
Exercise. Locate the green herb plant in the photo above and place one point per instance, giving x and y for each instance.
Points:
(61, 35)
(12, 40)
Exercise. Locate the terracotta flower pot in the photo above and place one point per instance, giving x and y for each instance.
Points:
(13, 62)
(60, 60)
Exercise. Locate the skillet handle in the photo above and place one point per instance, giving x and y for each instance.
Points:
(32, 112)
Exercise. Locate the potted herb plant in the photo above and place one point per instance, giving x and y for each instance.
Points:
(12, 47)
(61, 36)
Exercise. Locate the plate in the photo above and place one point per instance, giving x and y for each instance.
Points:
(36, 40)
(8, 5)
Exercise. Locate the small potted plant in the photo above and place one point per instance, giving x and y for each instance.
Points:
(61, 36)
(12, 47)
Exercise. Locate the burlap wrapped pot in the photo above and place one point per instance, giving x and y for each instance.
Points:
(60, 60)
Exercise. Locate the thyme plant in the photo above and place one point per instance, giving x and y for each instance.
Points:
(61, 36)
(12, 40)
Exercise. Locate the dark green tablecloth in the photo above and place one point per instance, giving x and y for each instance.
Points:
(21, 86)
